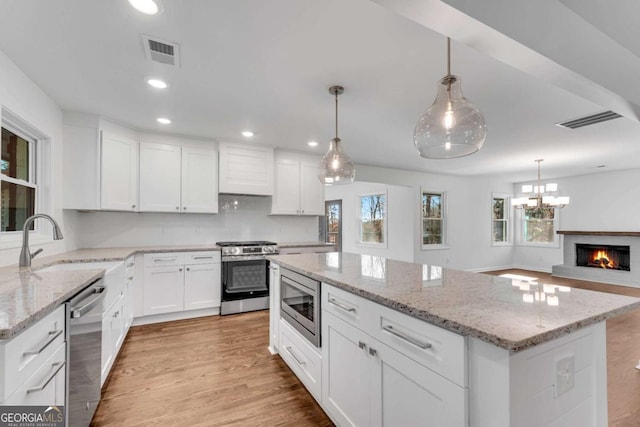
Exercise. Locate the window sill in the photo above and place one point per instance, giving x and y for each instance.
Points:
(434, 247)
(372, 245)
(15, 241)
(501, 244)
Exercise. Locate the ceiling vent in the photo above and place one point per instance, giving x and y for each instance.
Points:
(589, 120)
(161, 51)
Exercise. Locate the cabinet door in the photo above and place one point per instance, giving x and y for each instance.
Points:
(311, 190)
(274, 307)
(128, 302)
(159, 178)
(346, 372)
(163, 290)
(199, 180)
(405, 393)
(119, 173)
(202, 286)
(286, 196)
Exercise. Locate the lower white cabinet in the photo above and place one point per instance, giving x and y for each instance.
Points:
(367, 383)
(114, 330)
(175, 282)
(129, 292)
(303, 359)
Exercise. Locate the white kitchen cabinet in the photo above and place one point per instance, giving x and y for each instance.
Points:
(199, 288)
(274, 308)
(114, 331)
(199, 180)
(160, 166)
(119, 173)
(303, 358)
(181, 281)
(367, 383)
(163, 289)
(129, 291)
(298, 191)
(178, 179)
(246, 169)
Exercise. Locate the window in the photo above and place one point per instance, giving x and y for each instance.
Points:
(432, 219)
(333, 227)
(538, 225)
(500, 220)
(17, 180)
(372, 219)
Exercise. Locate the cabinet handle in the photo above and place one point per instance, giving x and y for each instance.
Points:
(203, 257)
(164, 259)
(177, 208)
(298, 361)
(409, 339)
(302, 210)
(130, 277)
(271, 267)
(188, 269)
(133, 206)
(116, 314)
(185, 208)
(52, 336)
(342, 306)
(56, 368)
(373, 351)
(179, 269)
(362, 345)
(131, 264)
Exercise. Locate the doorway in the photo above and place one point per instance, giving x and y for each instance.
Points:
(333, 226)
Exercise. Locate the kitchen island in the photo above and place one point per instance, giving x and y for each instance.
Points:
(448, 346)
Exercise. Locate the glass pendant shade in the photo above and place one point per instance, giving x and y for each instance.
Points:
(335, 166)
(452, 126)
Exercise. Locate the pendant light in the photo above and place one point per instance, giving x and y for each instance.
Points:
(335, 166)
(452, 126)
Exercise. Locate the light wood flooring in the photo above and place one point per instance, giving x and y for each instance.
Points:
(217, 371)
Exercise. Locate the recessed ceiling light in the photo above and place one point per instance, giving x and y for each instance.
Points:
(312, 144)
(148, 7)
(163, 120)
(157, 83)
(247, 133)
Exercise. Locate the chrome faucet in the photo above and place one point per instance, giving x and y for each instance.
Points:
(25, 253)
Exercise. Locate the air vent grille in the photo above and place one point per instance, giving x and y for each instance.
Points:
(589, 120)
(161, 51)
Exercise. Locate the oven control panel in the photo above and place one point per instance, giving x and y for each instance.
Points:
(250, 250)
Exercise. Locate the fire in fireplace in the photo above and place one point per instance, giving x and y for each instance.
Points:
(603, 256)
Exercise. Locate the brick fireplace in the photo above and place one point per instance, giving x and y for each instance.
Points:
(601, 256)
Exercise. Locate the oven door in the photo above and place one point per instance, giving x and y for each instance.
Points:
(299, 306)
(245, 279)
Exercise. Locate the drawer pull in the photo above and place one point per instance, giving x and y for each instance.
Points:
(373, 351)
(56, 368)
(392, 331)
(362, 345)
(130, 277)
(164, 259)
(202, 257)
(342, 306)
(131, 264)
(52, 336)
(298, 361)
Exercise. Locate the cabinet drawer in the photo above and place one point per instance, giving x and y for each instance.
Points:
(168, 258)
(433, 347)
(351, 308)
(191, 258)
(47, 384)
(23, 354)
(303, 359)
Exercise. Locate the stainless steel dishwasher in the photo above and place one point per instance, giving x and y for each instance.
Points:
(84, 326)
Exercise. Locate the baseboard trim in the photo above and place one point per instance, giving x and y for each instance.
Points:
(179, 315)
(530, 268)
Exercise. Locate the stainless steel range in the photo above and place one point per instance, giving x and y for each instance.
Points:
(245, 275)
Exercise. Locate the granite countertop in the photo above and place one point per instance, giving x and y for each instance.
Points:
(27, 295)
(304, 244)
(511, 314)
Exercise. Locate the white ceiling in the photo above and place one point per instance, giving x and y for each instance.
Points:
(265, 65)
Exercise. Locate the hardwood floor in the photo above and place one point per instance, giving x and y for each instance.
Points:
(216, 371)
(211, 371)
(623, 350)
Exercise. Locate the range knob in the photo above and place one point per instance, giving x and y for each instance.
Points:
(268, 249)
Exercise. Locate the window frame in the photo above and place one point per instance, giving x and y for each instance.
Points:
(39, 174)
(444, 219)
(509, 219)
(556, 226)
(385, 233)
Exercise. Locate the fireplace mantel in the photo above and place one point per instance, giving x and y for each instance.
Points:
(600, 233)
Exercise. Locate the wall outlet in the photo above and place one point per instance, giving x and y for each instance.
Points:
(565, 375)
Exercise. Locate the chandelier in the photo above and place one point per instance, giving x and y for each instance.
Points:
(539, 195)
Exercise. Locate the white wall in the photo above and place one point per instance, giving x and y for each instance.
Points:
(468, 209)
(24, 99)
(606, 201)
(399, 221)
(249, 219)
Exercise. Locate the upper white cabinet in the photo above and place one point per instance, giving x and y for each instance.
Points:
(178, 179)
(298, 191)
(246, 169)
(119, 173)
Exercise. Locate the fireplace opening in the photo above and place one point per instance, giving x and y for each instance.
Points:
(603, 256)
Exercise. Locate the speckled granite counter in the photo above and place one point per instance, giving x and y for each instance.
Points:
(27, 295)
(510, 314)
